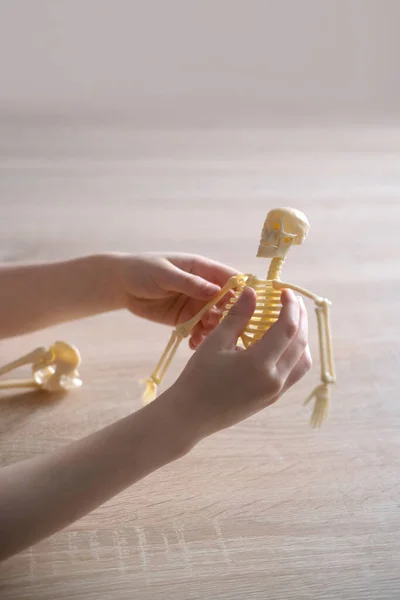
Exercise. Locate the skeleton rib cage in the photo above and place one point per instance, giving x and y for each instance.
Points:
(268, 307)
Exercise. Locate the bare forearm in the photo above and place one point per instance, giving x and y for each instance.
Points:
(36, 296)
(45, 494)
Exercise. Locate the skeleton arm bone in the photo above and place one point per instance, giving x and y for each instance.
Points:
(324, 330)
(237, 281)
(182, 331)
(328, 375)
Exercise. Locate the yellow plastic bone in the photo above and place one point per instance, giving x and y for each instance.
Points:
(54, 370)
(180, 332)
(283, 228)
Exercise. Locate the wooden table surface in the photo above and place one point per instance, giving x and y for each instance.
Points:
(270, 508)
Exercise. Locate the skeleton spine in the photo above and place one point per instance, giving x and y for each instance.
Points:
(274, 271)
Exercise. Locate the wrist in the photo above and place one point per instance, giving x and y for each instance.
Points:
(108, 266)
(184, 421)
(120, 268)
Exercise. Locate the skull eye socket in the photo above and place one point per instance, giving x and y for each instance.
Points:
(276, 226)
(287, 240)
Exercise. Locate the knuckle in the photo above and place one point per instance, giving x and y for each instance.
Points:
(307, 360)
(274, 381)
(302, 341)
(266, 379)
(290, 327)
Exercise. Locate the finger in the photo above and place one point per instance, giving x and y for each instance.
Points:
(296, 347)
(301, 368)
(211, 270)
(203, 330)
(233, 325)
(276, 340)
(212, 318)
(209, 321)
(299, 371)
(223, 303)
(200, 334)
(177, 280)
(196, 340)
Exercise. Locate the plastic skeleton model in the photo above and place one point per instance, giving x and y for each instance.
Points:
(54, 370)
(283, 228)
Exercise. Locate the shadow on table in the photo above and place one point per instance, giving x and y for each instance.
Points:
(15, 407)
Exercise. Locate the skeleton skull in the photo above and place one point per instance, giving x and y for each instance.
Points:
(283, 228)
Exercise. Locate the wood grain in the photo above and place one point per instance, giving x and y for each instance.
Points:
(270, 508)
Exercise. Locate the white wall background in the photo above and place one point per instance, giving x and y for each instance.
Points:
(176, 61)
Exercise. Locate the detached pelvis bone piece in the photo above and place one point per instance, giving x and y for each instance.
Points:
(54, 369)
(283, 228)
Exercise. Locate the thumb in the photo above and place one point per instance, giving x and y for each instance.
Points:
(233, 325)
(191, 285)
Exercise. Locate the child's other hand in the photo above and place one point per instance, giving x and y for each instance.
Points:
(223, 385)
(172, 288)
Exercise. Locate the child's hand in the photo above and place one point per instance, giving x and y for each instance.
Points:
(172, 288)
(223, 385)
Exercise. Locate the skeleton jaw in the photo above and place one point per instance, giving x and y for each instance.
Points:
(275, 244)
(269, 251)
